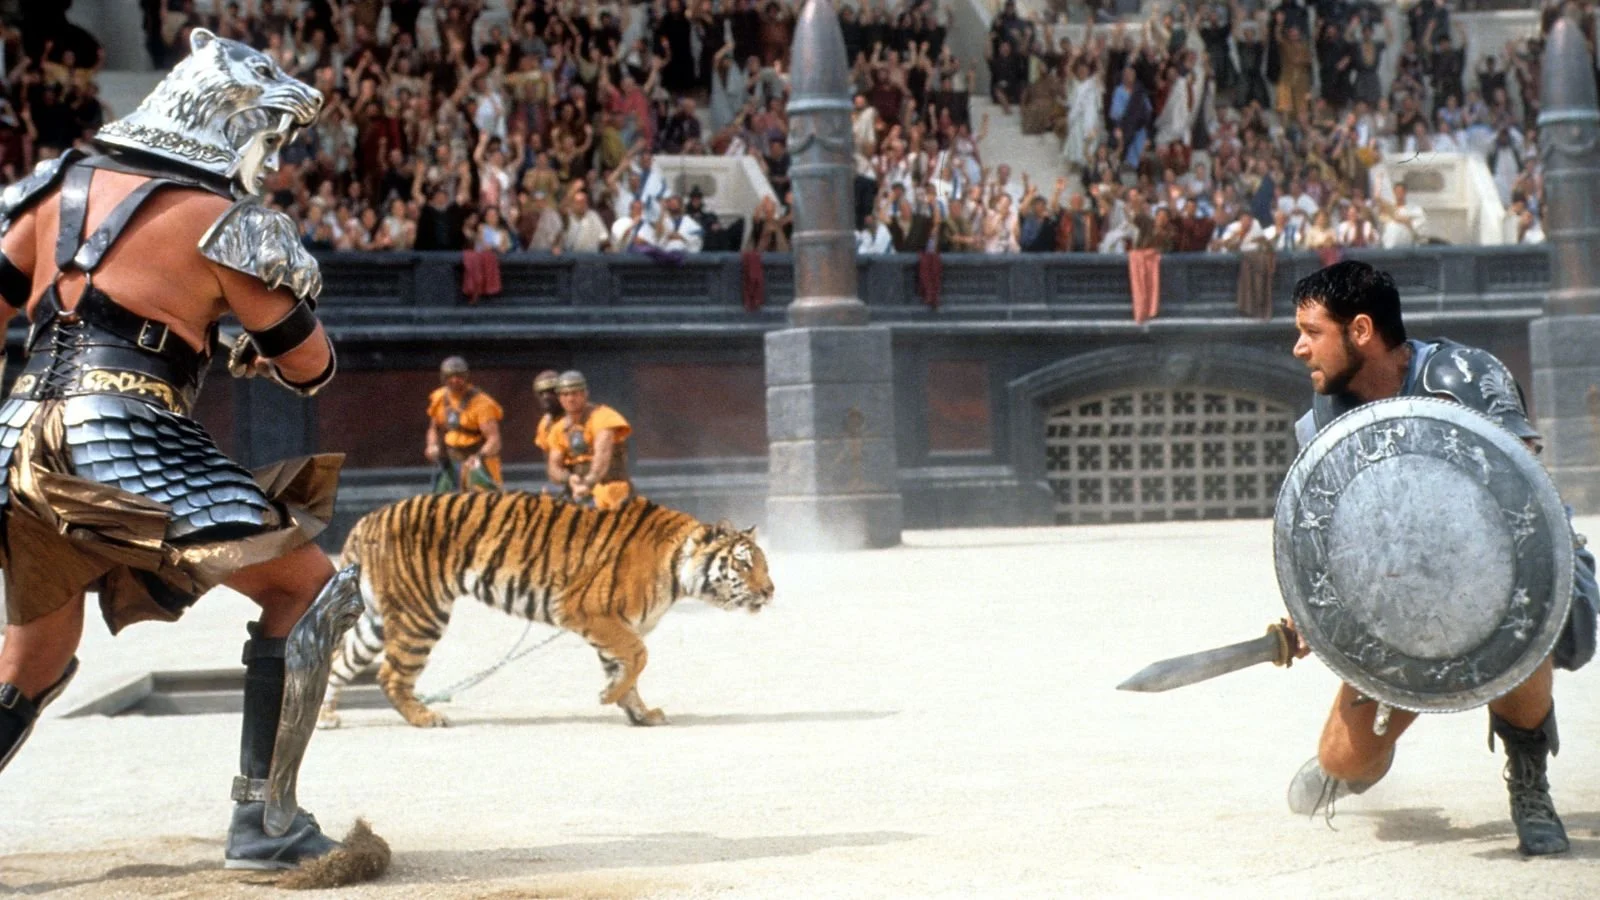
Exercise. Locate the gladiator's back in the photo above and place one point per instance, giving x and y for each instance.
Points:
(124, 256)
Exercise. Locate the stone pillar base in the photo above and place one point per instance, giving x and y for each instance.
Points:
(833, 481)
(1566, 400)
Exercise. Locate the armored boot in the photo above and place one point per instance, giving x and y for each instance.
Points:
(1539, 829)
(18, 713)
(285, 679)
(1312, 790)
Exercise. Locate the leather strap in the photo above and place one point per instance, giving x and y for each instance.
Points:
(135, 162)
(16, 288)
(13, 700)
(94, 249)
(287, 333)
(307, 388)
(264, 648)
(74, 210)
(249, 790)
(95, 308)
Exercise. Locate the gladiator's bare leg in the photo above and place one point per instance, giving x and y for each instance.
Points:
(1349, 750)
(36, 655)
(1350, 757)
(284, 587)
(36, 663)
(1527, 704)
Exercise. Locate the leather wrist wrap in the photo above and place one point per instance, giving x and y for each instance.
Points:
(287, 333)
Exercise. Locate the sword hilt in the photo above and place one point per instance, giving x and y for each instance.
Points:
(1288, 642)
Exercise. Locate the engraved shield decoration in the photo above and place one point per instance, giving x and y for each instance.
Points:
(1424, 554)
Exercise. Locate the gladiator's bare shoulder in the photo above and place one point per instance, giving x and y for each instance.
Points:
(255, 240)
(19, 197)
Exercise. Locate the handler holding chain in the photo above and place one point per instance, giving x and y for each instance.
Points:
(463, 436)
(124, 259)
(588, 447)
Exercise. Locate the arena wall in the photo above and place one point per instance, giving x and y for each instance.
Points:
(1026, 396)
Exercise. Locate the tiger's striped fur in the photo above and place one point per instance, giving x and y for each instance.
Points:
(606, 575)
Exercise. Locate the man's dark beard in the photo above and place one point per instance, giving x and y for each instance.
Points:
(1335, 383)
(552, 408)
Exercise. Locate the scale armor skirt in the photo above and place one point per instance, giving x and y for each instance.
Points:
(120, 495)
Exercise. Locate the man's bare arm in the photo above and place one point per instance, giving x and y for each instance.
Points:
(430, 443)
(604, 441)
(554, 470)
(491, 438)
(17, 270)
(259, 308)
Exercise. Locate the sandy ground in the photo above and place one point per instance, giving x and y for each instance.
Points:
(937, 720)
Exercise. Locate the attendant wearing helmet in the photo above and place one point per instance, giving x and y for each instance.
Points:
(463, 436)
(588, 452)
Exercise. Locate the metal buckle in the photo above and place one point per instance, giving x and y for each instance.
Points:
(144, 336)
(249, 790)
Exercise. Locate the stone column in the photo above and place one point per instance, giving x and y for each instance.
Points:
(833, 482)
(1565, 342)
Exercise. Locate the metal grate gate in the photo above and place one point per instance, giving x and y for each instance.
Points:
(1139, 455)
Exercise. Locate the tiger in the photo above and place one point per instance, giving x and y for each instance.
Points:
(607, 575)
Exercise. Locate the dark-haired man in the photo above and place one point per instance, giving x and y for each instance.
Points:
(544, 389)
(1353, 340)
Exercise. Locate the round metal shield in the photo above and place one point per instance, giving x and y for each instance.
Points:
(1424, 554)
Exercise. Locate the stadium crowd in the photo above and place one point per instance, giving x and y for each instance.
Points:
(533, 124)
(1219, 126)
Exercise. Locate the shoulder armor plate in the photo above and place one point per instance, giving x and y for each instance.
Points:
(21, 194)
(263, 242)
(1475, 378)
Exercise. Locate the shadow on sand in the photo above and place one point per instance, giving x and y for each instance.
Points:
(610, 717)
(1428, 825)
(11, 886)
(643, 851)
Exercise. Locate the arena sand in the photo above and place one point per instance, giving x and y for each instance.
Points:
(936, 720)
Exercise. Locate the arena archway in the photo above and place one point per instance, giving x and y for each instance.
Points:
(1147, 433)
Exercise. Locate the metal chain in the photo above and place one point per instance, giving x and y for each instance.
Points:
(472, 681)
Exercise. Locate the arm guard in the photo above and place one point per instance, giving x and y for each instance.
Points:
(310, 388)
(287, 333)
(244, 356)
(255, 240)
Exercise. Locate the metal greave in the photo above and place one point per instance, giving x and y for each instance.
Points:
(307, 659)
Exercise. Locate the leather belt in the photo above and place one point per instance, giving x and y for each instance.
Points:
(103, 369)
(112, 319)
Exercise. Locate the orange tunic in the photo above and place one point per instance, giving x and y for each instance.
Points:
(575, 442)
(460, 420)
(541, 435)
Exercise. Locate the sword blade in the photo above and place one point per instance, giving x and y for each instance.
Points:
(1190, 668)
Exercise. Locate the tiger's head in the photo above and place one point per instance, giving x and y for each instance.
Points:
(226, 108)
(729, 568)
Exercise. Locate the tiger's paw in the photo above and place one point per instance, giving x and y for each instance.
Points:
(327, 721)
(425, 718)
(645, 717)
(612, 697)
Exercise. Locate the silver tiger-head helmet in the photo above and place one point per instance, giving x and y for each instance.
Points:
(226, 108)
